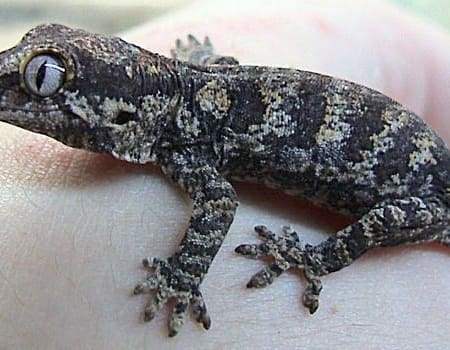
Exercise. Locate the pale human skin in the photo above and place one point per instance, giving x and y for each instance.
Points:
(75, 225)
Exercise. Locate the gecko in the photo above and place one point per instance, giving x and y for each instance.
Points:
(207, 121)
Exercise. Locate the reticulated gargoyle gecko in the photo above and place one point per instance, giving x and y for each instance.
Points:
(206, 120)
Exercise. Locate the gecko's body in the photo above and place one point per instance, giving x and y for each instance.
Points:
(335, 143)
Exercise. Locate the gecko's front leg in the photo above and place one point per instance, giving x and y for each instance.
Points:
(179, 276)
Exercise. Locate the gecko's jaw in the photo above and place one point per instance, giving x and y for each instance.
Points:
(29, 119)
(71, 131)
(45, 116)
(46, 119)
(19, 109)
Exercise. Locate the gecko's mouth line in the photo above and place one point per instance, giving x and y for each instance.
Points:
(15, 109)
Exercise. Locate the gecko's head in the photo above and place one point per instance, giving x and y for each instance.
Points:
(81, 89)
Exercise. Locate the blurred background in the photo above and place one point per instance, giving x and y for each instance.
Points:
(112, 16)
(103, 16)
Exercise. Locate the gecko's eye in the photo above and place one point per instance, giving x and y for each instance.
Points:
(44, 74)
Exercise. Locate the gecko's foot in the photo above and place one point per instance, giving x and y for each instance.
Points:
(199, 53)
(287, 252)
(170, 282)
(193, 48)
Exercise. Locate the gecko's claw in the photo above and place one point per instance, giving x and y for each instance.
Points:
(287, 252)
(170, 282)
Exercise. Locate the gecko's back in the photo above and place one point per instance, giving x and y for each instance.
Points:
(339, 144)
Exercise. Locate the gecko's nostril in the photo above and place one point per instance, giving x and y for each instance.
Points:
(124, 117)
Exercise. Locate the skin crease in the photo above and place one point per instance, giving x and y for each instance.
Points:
(75, 225)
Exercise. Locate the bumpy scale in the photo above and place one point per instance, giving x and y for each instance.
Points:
(206, 120)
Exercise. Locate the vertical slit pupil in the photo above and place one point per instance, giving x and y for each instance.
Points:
(41, 75)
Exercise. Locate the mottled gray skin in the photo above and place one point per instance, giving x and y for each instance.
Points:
(209, 120)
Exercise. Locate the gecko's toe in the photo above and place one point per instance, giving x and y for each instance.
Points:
(207, 42)
(179, 44)
(311, 301)
(312, 291)
(178, 316)
(260, 279)
(199, 309)
(141, 288)
(254, 251)
(267, 275)
(154, 305)
(149, 314)
(146, 262)
(264, 233)
(192, 40)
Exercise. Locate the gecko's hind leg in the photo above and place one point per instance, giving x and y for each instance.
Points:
(393, 222)
(199, 53)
